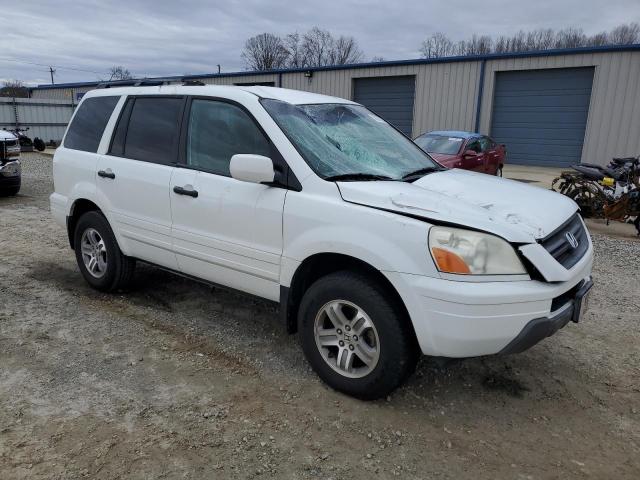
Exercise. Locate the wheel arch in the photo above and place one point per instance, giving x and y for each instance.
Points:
(319, 265)
(79, 207)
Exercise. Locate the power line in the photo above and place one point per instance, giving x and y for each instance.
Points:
(50, 66)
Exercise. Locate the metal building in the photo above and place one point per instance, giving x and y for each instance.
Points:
(551, 108)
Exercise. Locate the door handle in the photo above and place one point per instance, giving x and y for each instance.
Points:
(184, 191)
(106, 174)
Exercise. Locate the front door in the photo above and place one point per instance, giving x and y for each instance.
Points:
(224, 230)
(133, 178)
(476, 161)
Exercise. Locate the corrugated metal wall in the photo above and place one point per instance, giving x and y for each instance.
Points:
(613, 124)
(446, 94)
(45, 118)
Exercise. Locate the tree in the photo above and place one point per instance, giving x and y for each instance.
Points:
(436, 46)
(295, 55)
(265, 52)
(315, 48)
(118, 72)
(14, 88)
(570, 38)
(625, 34)
(344, 51)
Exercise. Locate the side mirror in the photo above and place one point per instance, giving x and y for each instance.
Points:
(470, 154)
(252, 168)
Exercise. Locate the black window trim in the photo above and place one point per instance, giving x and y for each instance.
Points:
(284, 177)
(175, 155)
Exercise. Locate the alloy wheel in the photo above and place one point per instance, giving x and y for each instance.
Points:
(94, 252)
(347, 338)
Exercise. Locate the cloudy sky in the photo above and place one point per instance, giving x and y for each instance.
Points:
(83, 38)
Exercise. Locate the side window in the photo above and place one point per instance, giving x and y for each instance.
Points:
(153, 130)
(87, 127)
(485, 144)
(475, 146)
(218, 131)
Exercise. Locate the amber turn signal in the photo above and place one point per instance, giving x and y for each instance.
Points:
(449, 262)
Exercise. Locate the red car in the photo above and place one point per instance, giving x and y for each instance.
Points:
(466, 150)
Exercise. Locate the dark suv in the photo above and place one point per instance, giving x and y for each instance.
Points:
(10, 170)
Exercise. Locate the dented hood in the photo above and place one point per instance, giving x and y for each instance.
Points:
(513, 210)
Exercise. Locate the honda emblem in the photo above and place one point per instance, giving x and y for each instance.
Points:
(571, 238)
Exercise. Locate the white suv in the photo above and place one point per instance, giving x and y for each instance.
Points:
(372, 249)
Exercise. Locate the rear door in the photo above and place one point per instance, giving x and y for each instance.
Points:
(224, 230)
(133, 178)
(489, 150)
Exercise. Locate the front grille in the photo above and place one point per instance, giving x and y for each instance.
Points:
(559, 246)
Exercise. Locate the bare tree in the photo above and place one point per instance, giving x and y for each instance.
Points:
(345, 50)
(599, 39)
(118, 72)
(570, 38)
(317, 45)
(437, 45)
(295, 53)
(315, 48)
(476, 45)
(265, 52)
(14, 88)
(625, 34)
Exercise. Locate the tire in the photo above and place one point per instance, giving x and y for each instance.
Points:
(499, 171)
(9, 192)
(39, 144)
(112, 269)
(352, 294)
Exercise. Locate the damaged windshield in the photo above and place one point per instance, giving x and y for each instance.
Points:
(348, 142)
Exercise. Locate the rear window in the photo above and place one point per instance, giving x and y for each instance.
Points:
(85, 131)
(153, 130)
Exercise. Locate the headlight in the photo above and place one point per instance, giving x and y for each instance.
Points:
(455, 250)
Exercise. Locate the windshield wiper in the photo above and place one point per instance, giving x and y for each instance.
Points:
(356, 177)
(419, 173)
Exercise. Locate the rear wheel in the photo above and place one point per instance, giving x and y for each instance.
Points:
(99, 258)
(355, 336)
(499, 171)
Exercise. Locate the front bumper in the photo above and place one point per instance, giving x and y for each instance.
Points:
(10, 175)
(461, 319)
(541, 328)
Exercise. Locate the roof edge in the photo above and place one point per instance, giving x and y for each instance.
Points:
(388, 63)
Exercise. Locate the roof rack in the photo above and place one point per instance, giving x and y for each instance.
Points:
(145, 82)
(193, 83)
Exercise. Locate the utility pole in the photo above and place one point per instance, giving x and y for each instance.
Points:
(52, 71)
(218, 68)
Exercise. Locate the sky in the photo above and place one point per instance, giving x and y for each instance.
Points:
(83, 39)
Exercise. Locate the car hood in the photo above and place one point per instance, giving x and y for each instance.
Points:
(444, 158)
(512, 210)
(4, 135)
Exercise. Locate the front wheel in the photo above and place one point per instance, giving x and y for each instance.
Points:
(499, 171)
(356, 336)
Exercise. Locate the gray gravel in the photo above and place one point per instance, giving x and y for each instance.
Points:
(179, 380)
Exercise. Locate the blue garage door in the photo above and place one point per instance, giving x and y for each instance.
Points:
(541, 115)
(389, 97)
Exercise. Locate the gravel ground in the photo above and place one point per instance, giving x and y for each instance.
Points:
(179, 380)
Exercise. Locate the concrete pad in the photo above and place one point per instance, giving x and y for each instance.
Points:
(539, 176)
